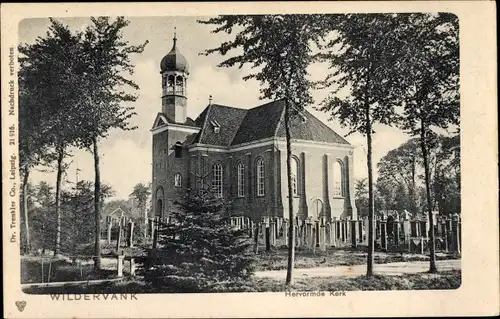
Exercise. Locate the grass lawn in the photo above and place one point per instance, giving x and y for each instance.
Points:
(59, 270)
(276, 259)
(423, 281)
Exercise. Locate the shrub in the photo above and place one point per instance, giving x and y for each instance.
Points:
(198, 251)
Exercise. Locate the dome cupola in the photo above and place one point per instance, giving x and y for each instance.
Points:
(174, 60)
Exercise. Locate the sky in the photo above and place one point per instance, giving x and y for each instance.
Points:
(126, 156)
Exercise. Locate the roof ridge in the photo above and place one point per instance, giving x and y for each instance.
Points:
(239, 126)
(204, 122)
(265, 104)
(227, 106)
(279, 122)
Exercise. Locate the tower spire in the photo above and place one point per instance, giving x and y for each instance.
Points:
(175, 36)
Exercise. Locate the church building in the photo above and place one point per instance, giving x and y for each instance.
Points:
(241, 154)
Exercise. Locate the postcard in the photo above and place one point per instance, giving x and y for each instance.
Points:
(255, 159)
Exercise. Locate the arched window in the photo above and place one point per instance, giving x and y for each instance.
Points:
(241, 179)
(295, 173)
(177, 180)
(260, 177)
(179, 85)
(338, 179)
(217, 179)
(170, 84)
(159, 202)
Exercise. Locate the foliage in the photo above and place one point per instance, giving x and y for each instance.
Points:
(49, 94)
(105, 103)
(363, 51)
(76, 216)
(361, 196)
(105, 58)
(77, 219)
(200, 250)
(401, 169)
(446, 181)
(279, 46)
(43, 225)
(429, 83)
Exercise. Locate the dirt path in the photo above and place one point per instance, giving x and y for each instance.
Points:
(389, 269)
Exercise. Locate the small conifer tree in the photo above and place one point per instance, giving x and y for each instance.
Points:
(198, 250)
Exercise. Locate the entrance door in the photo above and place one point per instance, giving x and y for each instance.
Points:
(158, 208)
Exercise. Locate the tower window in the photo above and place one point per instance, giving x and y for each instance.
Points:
(170, 84)
(179, 85)
(177, 180)
(217, 179)
(178, 150)
(260, 177)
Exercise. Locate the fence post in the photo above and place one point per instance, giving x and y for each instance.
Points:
(383, 235)
(119, 239)
(456, 232)
(272, 233)
(42, 269)
(285, 226)
(132, 266)
(267, 239)
(322, 237)
(130, 236)
(110, 225)
(256, 238)
(396, 231)
(120, 265)
(354, 233)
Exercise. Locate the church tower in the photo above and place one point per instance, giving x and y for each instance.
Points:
(174, 74)
(171, 130)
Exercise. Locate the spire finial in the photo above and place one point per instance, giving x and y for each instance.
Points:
(210, 100)
(175, 35)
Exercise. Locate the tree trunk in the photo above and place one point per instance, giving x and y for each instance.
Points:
(371, 202)
(25, 209)
(60, 158)
(412, 187)
(291, 229)
(256, 239)
(97, 207)
(432, 244)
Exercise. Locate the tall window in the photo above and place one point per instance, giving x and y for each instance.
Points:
(217, 179)
(260, 177)
(241, 179)
(179, 85)
(178, 180)
(170, 84)
(337, 179)
(295, 172)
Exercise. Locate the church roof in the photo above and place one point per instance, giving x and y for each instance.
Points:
(237, 126)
